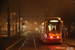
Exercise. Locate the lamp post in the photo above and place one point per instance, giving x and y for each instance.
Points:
(8, 21)
(6, 25)
(21, 23)
(13, 22)
(19, 16)
(16, 25)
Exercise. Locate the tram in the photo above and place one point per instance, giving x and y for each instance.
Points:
(51, 30)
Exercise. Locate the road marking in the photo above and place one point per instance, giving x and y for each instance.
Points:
(34, 43)
(23, 43)
(14, 44)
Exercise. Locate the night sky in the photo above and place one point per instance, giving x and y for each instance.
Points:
(34, 10)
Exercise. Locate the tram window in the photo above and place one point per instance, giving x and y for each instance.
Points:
(56, 27)
(53, 29)
(49, 27)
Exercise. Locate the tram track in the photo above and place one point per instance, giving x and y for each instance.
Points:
(54, 47)
(32, 42)
(27, 40)
(23, 43)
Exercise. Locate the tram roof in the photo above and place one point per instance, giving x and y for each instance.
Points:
(53, 18)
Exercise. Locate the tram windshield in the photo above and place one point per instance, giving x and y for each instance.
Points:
(53, 25)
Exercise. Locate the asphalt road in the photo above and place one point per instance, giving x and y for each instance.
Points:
(31, 41)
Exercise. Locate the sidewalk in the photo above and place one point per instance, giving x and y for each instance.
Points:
(70, 42)
(7, 42)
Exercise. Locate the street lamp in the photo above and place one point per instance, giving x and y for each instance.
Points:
(26, 21)
(21, 23)
(21, 18)
(35, 22)
(43, 23)
(6, 25)
(14, 13)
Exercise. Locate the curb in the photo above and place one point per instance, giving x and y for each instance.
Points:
(71, 45)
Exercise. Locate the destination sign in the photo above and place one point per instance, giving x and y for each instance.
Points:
(53, 20)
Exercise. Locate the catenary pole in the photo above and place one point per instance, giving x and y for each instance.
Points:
(8, 19)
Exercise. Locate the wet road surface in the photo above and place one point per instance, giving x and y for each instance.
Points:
(31, 41)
